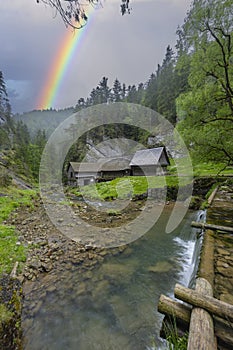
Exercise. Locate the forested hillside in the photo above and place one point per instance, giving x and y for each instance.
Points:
(46, 120)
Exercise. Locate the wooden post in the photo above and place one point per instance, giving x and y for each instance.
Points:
(210, 304)
(203, 226)
(201, 328)
(180, 313)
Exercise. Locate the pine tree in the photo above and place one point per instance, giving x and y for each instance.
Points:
(116, 91)
(6, 122)
(5, 107)
(104, 91)
(166, 87)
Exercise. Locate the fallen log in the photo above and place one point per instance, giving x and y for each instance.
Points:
(211, 197)
(204, 226)
(214, 306)
(201, 328)
(170, 307)
(179, 314)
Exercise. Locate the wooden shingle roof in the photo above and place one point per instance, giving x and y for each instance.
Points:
(86, 167)
(152, 156)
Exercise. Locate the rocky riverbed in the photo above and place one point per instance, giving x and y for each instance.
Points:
(49, 249)
(50, 252)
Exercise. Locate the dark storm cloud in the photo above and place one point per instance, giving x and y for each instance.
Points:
(128, 47)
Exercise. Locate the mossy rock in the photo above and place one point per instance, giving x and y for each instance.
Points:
(195, 203)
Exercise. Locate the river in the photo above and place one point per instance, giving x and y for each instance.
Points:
(114, 305)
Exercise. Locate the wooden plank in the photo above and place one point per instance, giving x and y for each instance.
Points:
(214, 306)
(201, 328)
(204, 226)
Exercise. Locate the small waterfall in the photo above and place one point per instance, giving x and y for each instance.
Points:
(201, 217)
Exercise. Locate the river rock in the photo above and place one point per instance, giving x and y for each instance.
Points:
(101, 288)
(34, 264)
(81, 289)
(160, 267)
(224, 269)
(227, 298)
(103, 252)
(51, 288)
(118, 272)
(47, 266)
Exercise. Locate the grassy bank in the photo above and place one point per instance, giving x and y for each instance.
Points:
(128, 187)
(201, 169)
(132, 186)
(11, 250)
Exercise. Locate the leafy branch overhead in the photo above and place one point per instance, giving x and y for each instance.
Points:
(74, 12)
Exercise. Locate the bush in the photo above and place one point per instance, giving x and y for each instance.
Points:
(5, 178)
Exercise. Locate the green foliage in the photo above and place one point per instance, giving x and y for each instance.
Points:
(5, 314)
(25, 154)
(174, 340)
(177, 343)
(127, 187)
(5, 178)
(164, 86)
(43, 120)
(10, 250)
(5, 116)
(206, 110)
(11, 198)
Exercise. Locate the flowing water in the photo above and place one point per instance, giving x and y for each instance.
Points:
(114, 306)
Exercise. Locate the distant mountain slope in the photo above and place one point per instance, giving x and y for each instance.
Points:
(46, 120)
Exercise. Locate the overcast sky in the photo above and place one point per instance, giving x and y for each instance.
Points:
(128, 47)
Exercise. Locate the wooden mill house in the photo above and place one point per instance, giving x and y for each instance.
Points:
(147, 162)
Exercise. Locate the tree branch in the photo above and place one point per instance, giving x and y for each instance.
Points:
(73, 12)
(226, 64)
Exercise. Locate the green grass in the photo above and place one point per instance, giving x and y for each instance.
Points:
(12, 198)
(128, 186)
(5, 314)
(200, 169)
(211, 169)
(177, 343)
(10, 250)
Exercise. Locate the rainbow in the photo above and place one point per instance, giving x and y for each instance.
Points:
(61, 63)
